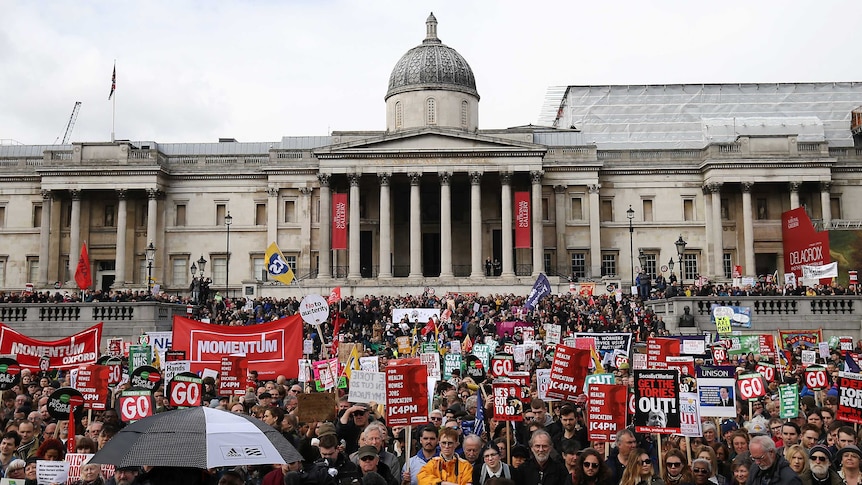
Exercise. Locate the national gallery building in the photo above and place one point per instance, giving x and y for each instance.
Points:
(606, 185)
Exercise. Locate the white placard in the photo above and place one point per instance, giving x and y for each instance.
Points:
(520, 354)
(689, 407)
(432, 361)
(369, 364)
(809, 357)
(314, 309)
(421, 315)
(305, 373)
(693, 347)
(209, 373)
(543, 382)
(367, 387)
(308, 346)
(48, 472)
(455, 347)
(639, 361)
(552, 333)
(174, 367)
(824, 350)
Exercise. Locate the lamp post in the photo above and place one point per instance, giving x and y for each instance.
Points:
(670, 266)
(151, 257)
(631, 215)
(228, 220)
(680, 249)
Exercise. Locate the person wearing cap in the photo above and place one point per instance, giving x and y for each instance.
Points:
(375, 435)
(265, 399)
(848, 460)
(770, 467)
(124, 475)
(820, 471)
(369, 462)
(448, 468)
(519, 455)
(351, 423)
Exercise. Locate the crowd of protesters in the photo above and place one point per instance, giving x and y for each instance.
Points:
(548, 447)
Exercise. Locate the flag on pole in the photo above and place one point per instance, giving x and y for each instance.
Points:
(596, 361)
(337, 320)
(113, 82)
(277, 266)
(334, 295)
(352, 362)
(541, 288)
(850, 364)
(82, 273)
(479, 425)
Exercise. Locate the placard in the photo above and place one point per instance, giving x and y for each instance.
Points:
(174, 367)
(451, 362)
(543, 383)
(750, 386)
(139, 356)
(815, 378)
(135, 404)
(658, 350)
(507, 401)
(232, 375)
(568, 372)
(606, 412)
(316, 406)
(185, 390)
(404, 346)
(552, 333)
(367, 387)
(432, 361)
(48, 472)
(657, 401)
(406, 394)
(369, 364)
(849, 397)
(788, 399)
(605, 378)
(689, 416)
(92, 382)
(326, 371)
(74, 462)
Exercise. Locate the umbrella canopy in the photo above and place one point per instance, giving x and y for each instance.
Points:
(197, 437)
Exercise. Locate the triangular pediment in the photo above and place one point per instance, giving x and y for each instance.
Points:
(429, 140)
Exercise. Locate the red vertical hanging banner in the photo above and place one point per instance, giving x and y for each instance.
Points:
(339, 221)
(522, 220)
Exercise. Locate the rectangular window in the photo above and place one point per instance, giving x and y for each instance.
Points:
(32, 269)
(290, 259)
(609, 264)
(221, 211)
(260, 214)
(546, 211)
(180, 275)
(647, 208)
(315, 210)
(258, 269)
(546, 259)
(67, 214)
(835, 207)
(2, 272)
(290, 211)
(727, 265)
(579, 265)
(64, 267)
(689, 265)
(219, 270)
(180, 215)
(762, 210)
(607, 210)
(109, 216)
(141, 215)
(577, 208)
(725, 209)
(650, 264)
(37, 215)
(2, 216)
(688, 209)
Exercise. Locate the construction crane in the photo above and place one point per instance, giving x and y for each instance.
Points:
(71, 124)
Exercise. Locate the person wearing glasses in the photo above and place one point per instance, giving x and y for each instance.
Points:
(428, 438)
(772, 468)
(369, 462)
(820, 471)
(448, 468)
(591, 469)
(639, 470)
(676, 470)
(701, 469)
(492, 466)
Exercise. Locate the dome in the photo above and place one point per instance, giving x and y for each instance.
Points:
(432, 65)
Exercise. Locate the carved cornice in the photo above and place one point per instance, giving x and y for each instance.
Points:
(47, 195)
(76, 194)
(306, 191)
(536, 176)
(794, 186)
(272, 191)
(825, 186)
(747, 186)
(353, 178)
(560, 189)
(122, 194)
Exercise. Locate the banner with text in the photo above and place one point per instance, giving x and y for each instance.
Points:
(802, 244)
(606, 411)
(716, 388)
(65, 353)
(568, 372)
(522, 220)
(406, 393)
(657, 401)
(849, 397)
(339, 221)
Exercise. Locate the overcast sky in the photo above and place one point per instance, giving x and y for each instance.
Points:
(259, 70)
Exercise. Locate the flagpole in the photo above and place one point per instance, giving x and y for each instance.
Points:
(114, 103)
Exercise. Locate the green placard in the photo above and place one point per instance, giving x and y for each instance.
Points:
(140, 355)
(429, 348)
(788, 397)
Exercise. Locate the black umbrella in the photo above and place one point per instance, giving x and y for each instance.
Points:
(197, 437)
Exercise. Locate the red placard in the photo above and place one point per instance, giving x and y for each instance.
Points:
(568, 372)
(766, 370)
(273, 348)
(751, 386)
(339, 221)
(507, 401)
(522, 220)
(232, 375)
(185, 390)
(66, 353)
(92, 383)
(849, 397)
(406, 393)
(135, 404)
(502, 365)
(606, 412)
(658, 350)
(815, 377)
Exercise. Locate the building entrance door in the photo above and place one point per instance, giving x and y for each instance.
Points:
(431, 254)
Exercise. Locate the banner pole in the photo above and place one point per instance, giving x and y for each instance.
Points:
(508, 443)
(658, 447)
(408, 437)
(688, 449)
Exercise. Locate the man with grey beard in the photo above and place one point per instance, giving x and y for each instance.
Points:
(821, 473)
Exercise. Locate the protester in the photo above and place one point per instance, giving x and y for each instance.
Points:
(772, 468)
(639, 470)
(492, 466)
(448, 468)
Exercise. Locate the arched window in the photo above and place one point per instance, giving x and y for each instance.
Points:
(399, 116)
(464, 114)
(431, 112)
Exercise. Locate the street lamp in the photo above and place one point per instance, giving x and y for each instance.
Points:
(670, 266)
(201, 265)
(151, 256)
(680, 249)
(228, 220)
(631, 215)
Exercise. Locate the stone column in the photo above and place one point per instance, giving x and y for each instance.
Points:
(794, 194)
(303, 262)
(324, 269)
(271, 216)
(385, 226)
(445, 224)
(122, 220)
(595, 232)
(508, 269)
(560, 226)
(415, 226)
(152, 215)
(538, 228)
(353, 269)
(748, 228)
(825, 205)
(717, 227)
(75, 233)
(45, 238)
(476, 270)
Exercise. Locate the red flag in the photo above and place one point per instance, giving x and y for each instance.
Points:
(429, 327)
(334, 295)
(337, 320)
(339, 221)
(71, 446)
(82, 273)
(113, 82)
(522, 219)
